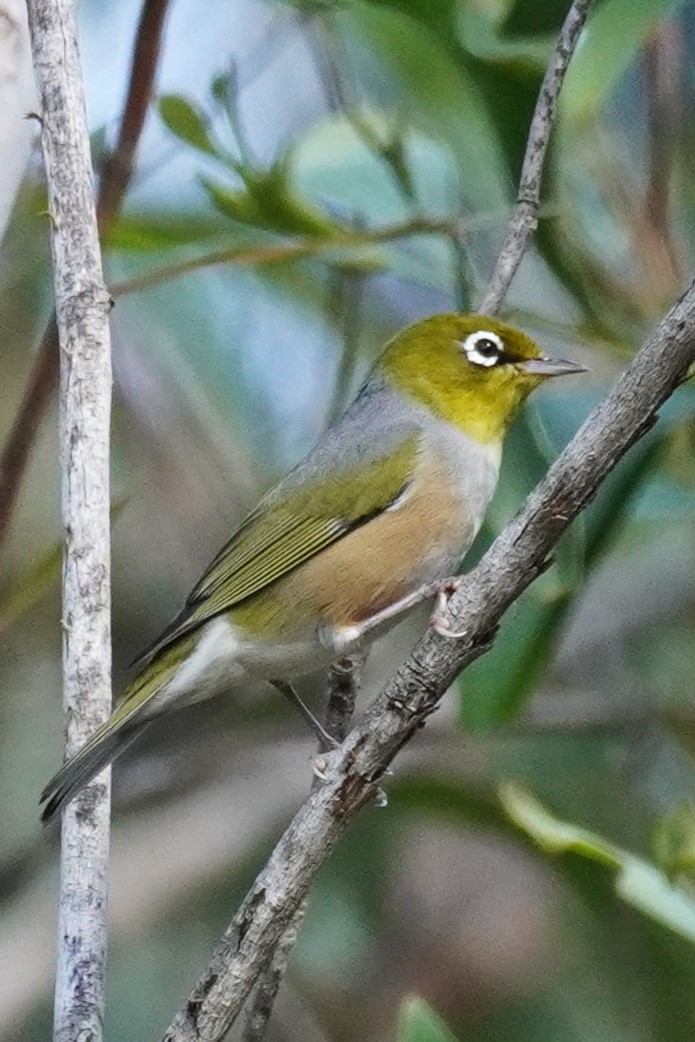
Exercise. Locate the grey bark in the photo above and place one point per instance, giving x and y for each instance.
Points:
(82, 307)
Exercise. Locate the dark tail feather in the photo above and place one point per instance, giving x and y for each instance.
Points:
(84, 765)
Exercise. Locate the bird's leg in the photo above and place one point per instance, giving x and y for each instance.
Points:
(286, 689)
(439, 620)
(441, 590)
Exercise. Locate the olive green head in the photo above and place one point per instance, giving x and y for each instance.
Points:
(471, 370)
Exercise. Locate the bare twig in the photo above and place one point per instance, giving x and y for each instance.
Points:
(515, 559)
(525, 216)
(345, 299)
(308, 246)
(343, 684)
(112, 186)
(118, 169)
(82, 316)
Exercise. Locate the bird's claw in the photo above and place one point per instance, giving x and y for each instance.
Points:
(439, 619)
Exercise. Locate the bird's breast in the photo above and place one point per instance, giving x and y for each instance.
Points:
(421, 538)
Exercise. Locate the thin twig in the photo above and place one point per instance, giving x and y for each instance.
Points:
(345, 298)
(343, 684)
(118, 169)
(341, 97)
(525, 217)
(306, 247)
(43, 376)
(82, 317)
(517, 557)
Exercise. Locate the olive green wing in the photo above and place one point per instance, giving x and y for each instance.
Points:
(291, 525)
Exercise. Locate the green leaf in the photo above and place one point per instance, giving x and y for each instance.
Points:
(187, 122)
(533, 17)
(614, 34)
(30, 587)
(431, 84)
(497, 686)
(638, 882)
(160, 230)
(417, 1022)
(673, 842)
(267, 202)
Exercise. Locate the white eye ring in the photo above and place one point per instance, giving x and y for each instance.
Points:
(470, 346)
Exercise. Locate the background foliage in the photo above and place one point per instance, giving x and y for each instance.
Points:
(350, 166)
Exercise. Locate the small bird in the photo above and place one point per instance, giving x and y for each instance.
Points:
(373, 521)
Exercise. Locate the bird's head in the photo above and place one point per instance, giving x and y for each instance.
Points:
(471, 370)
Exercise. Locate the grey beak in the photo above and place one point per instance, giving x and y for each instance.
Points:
(551, 367)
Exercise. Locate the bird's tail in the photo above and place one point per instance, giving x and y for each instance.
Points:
(135, 710)
(108, 742)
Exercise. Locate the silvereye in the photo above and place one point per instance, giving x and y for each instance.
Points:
(370, 523)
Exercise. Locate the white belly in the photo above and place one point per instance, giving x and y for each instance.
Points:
(224, 659)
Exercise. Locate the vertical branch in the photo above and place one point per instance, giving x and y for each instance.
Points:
(118, 169)
(82, 308)
(114, 182)
(525, 216)
(345, 297)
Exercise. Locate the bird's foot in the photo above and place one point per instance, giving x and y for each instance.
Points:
(439, 619)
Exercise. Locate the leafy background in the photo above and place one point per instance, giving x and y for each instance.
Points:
(350, 166)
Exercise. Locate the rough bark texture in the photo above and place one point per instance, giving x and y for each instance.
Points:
(82, 308)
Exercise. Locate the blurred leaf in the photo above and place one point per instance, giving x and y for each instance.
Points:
(497, 686)
(417, 1022)
(187, 123)
(435, 15)
(673, 842)
(30, 587)
(333, 164)
(265, 203)
(38, 579)
(533, 17)
(269, 201)
(432, 85)
(160, 230)
(638, 882)
(446, 799)
(613, 35)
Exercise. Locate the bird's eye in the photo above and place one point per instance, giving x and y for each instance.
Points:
(486, 347)
(483, 348)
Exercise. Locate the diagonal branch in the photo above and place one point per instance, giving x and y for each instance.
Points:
(516, 558)
(115, 179)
